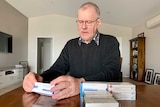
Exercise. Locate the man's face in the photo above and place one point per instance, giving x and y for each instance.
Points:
(88, 24)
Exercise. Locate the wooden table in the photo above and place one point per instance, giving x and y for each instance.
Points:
(147, 96)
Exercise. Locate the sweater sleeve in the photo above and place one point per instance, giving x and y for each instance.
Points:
(111, 65)
(60, 67)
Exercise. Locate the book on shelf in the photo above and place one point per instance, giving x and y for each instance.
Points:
(135, 60)
(134, 44)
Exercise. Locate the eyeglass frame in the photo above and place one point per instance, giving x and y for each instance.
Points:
(86, 22)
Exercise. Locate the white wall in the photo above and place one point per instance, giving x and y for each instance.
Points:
(62, 28)
(14, 23)
(152, 45)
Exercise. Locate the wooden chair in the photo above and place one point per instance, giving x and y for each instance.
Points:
(121, 74)
(121, 59)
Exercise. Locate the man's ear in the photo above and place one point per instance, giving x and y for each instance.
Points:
(99, 22)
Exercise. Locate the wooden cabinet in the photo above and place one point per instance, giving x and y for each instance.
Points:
(137, 58)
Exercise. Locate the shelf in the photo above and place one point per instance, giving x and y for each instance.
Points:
(134, 48)
(137, 55)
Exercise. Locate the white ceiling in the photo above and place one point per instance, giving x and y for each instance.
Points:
(128, 13)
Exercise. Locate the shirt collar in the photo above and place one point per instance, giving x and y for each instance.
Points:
(96, 39)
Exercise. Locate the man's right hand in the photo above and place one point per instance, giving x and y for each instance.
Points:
(29, 80)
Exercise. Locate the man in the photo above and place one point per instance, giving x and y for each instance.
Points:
(91, 57)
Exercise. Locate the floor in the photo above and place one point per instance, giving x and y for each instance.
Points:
(14, 86)
(126, 79)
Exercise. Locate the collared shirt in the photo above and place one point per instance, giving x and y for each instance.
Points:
(96, 39)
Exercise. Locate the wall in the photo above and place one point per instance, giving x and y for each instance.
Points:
(61, 29)
(152, 45)
(16, 24)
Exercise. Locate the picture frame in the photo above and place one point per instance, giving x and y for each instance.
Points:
(157, 79)
(141, 34)
(149, 76)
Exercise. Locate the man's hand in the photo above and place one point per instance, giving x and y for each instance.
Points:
(29, 81)
(68, 86)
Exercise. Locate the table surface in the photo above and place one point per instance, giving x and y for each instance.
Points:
(147, 96)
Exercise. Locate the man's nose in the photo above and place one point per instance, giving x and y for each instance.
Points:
(84, 25)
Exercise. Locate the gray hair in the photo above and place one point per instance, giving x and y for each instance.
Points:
(90, 4)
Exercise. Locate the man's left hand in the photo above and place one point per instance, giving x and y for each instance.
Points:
(66, 86)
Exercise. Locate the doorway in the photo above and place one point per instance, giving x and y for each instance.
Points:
(44, 52)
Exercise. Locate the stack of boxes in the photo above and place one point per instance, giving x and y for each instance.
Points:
(92, 86)
(95, 94)
(122, 90)
(107, 92)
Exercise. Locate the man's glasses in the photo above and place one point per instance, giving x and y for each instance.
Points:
(86, 22)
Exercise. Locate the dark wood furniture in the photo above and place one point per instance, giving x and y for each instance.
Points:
(147, 96)
(137, 58)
